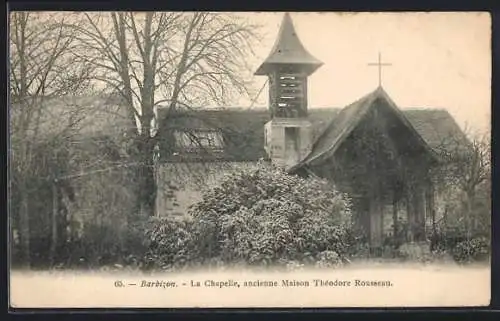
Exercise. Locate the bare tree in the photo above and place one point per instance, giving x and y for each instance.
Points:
(175, 60)
(40, 68)
(467, 166)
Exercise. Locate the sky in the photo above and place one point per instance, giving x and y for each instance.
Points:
(439, 60)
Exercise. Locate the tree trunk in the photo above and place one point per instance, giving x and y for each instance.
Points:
(54, 225)
(145, 177)
(469, 215)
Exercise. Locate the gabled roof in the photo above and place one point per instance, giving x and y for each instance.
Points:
(243, 129)
(345, 122)
(288, 49)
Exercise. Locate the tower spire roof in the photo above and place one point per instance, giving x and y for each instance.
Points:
(288, 49)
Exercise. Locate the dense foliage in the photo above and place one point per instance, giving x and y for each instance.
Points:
(462, 245)
(171, 244)
(258, 217)
(80, 211)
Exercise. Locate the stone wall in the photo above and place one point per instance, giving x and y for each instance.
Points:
(182, 184)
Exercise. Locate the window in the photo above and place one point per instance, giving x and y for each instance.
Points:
(290, 90)
(196, 140)
(290, 95)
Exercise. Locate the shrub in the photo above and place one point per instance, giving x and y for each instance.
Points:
(260, 217)
(263, 216)
(475, 249)
(328, 259)
(462, 245)
(171, 244)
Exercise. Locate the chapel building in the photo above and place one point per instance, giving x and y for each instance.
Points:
(382, 156)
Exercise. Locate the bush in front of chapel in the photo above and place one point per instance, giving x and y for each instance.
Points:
(264, 216)
(259, 217)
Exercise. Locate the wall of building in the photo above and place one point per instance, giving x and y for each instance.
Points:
(182, 184)
(283, 148)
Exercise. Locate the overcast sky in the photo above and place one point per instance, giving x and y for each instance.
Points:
(439, 60)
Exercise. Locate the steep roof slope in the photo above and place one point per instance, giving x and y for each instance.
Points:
(243, 129)
(288, 49)
(435, 129)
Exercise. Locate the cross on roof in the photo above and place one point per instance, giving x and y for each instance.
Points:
(380, 64)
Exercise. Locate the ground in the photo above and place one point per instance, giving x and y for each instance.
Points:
(399, 284)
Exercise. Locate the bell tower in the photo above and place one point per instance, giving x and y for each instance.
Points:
(288, 136)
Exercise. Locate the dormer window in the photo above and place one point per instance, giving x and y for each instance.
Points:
(199, 141)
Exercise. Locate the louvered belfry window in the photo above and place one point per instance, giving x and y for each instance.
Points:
(288, 95)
